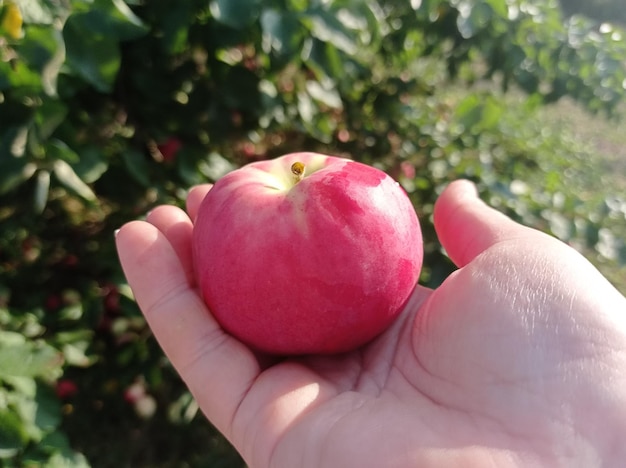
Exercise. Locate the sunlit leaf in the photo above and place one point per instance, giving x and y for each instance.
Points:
(325, 93)
(282, 32)
(62, 454)
(19, 76)
(469, 111)
(42, 187)
(36, 11)
(111, 18)
(216, 166)
(326, 27)
(92, 164)
(306, 107)
(26, 358)
(14, 170)
(324, 59)
(50, 114)
(126, 25)
(473, 17)
(236, 13)
(70, 180)
(57, 149)
(43, 50)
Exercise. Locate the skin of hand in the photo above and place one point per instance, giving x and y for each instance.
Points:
(517, 360)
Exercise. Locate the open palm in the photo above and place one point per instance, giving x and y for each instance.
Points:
(517, 359)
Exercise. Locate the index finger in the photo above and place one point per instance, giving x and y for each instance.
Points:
(194, 199)
(217, 368)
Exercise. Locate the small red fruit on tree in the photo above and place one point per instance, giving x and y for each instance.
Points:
(66, 388)
(170, 148)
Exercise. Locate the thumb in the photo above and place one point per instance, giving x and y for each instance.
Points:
(466, 226)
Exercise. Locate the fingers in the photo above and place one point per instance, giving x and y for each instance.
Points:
(466, 226)
(176, 225)
(195, 197)
(177, 228)
(217, 368)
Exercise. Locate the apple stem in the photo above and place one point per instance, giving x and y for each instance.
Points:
(297, 169)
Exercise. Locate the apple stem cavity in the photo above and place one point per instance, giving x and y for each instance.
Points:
(298, 169)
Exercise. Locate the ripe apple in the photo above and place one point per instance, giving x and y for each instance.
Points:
(306, 253)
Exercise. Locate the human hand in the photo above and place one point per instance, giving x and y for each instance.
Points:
(517, 359)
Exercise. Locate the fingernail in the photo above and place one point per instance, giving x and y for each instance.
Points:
(115, 232)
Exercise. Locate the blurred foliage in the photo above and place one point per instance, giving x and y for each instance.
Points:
(108, 108)
(611, 11)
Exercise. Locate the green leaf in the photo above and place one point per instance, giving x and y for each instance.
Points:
(91, 165)
(137, 166)
(176, 27)
(22, 358)
(43, 50)
(122, 20)
(13, 437)
(37, 407)
(236, 13)
(478, 113)
(67, 459)
(365, 20)
(491, 113)
(282, 32)
(500, 8)
(15, 168)
(325, 92)
(473, 17)
(62, 454)
(36, 11)
(75, 346)
(306, 107)
(50, 114)
(469, 111)
(183, 410)
(48, 410)
(19, 78)
(327, 28)
(95, 58)
(57, 149)
(14, 172)
(111, 18)
(22, 387)
(215, 166)
(76, 355)
(69, 179)
(324, 59)
(42, 188)
(92, 40)
(187, 162)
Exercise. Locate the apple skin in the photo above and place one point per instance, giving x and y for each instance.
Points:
(316, 266)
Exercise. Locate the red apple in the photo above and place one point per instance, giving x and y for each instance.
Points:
(306, 253)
